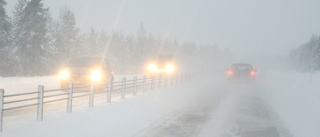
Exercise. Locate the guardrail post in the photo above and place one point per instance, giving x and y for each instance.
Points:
(176, 78)
(165, 80)
(40, 103)
(91, 96)
(70, 96)
(1, 108)
(159, 82)
(109, 91)
(152, 83)
(135, 85)
(123, 93)
(144, 84)
(171, 80)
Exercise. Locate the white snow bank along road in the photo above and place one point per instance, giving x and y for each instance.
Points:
(122, 118)
(13, 85)
(295, 99)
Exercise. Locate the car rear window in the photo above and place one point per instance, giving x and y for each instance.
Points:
(242, 67)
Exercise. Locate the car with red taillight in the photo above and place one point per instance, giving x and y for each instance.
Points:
(241, 71)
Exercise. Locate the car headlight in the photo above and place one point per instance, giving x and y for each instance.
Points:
(96, 75)
(152, 67)
(169, 68)
(64, 74)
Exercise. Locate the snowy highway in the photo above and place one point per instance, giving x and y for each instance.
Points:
(218, 109)
(204, 107)
(167, 68)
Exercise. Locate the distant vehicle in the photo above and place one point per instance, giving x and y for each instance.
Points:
(162, 64)
(86, 71)
(241, 72)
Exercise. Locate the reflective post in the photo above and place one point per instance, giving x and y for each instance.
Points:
(123, 93)
(109, 92)
(135, 85)
(171, 79)
(165, 80)
(152, 83)
(40, 102)
(159, 82)
(91, 96)
(70, 95)
(144, 84)
(1, 108)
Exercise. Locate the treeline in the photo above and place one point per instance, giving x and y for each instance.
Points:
(307, 56)
(32, 43)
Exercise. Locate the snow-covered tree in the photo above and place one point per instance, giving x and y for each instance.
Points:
(92, 43)
(307, 56)
(65, 43)
(30, 37)
(5, 42)
(102, 42)
(5, 27)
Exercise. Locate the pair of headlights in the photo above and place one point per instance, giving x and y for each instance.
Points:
(169, 68)
(95, 75)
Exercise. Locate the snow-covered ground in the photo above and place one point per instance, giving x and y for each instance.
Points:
(120, 118)
(295, 100)
(279, 103)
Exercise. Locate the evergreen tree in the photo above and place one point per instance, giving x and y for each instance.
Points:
(92, 43)
(5, 41)
(65, 43)
(307, 56)
(102, 42)
(30, 37)
(52, 27)
(5, 27)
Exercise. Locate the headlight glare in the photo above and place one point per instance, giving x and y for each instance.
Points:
(169, 68)
(96, 75)
(64, 74)
(152, 67)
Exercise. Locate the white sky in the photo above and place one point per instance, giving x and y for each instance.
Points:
(244, 26)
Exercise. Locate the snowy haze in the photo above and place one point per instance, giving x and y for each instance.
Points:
(279, 102)
(246, 27)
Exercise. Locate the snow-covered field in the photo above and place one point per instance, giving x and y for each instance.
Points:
(295, 100)
(120, 118)
(285, 101)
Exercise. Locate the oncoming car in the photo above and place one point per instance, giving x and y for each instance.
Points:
(86, 71)
(241, 72)
(162, 64)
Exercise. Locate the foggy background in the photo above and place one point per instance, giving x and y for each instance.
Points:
(258, 32)
(38, 37)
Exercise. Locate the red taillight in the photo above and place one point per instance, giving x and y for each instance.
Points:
(230, 72)
(252, 73)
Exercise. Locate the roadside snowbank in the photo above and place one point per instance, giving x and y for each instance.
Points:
(121, 118)
(295, 100)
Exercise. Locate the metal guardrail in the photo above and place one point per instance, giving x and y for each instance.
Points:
(72, 92)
